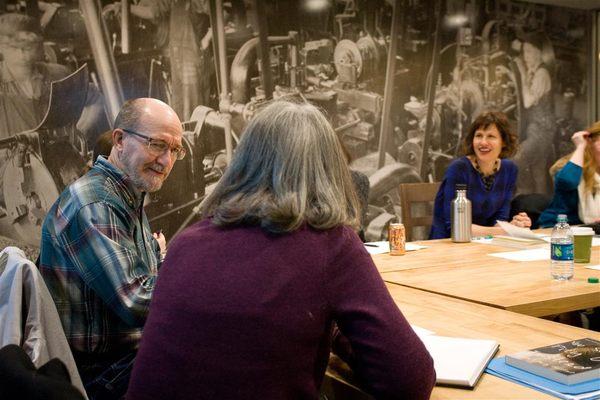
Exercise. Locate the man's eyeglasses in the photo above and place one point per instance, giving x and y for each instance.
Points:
(157, 146)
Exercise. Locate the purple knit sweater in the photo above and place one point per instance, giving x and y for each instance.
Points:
(241, 314)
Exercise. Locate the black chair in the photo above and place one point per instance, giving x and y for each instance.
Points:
(533, 204)
(19, 379)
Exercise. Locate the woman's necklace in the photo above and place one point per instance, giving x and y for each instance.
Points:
(488, 180)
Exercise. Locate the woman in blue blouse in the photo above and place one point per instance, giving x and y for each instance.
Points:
(489, 176)
(577, 184)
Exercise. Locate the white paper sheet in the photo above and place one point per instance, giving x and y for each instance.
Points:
(518, 232)
(384, 247)
(539, 253)
(421, 331)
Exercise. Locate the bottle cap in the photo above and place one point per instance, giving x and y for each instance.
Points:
(460, 186)
(592, 279)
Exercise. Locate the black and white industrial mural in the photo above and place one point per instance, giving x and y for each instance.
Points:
(66, 67)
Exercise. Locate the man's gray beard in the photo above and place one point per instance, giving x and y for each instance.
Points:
(144, 185)
(140, 183)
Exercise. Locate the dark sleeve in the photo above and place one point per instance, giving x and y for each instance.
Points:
(361, 184)
(503, 212)
(568, 178)
(387, 357)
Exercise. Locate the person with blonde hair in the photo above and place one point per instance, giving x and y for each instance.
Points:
(248, 297)
(577, 182)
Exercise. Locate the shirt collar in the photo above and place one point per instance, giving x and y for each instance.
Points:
(133, 195)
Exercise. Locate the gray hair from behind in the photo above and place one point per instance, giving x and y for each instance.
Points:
(288, 170)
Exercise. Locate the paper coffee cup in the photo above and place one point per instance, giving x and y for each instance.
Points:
(582, 243)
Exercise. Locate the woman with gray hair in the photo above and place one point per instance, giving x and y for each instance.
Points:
(247, 298)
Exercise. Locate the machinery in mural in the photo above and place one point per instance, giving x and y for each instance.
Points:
(341, 68)
(39, 163)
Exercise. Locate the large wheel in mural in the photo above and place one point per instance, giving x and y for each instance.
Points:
(386, 181)
(384, 196)
(29, 191)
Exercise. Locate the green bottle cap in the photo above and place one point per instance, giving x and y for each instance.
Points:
(592, 279)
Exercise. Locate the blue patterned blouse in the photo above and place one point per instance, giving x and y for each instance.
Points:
(487, 205)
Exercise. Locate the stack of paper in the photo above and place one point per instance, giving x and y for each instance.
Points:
(517, 242)
(518, 232)
(580, 391)
(517, 237)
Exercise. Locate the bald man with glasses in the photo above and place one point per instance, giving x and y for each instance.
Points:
(98, 255)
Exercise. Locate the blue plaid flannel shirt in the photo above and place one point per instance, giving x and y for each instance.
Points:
(100, 261)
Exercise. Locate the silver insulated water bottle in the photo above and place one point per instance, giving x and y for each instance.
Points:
(460, 215)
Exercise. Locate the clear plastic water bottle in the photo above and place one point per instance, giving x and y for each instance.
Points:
(561, 250)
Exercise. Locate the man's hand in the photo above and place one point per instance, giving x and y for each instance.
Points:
(162, 242)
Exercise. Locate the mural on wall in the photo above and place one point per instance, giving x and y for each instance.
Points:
(67, 67)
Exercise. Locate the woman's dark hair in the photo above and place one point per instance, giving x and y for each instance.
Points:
(510, 143)
(103, 146)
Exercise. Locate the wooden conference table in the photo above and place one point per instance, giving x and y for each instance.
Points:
(467, 271)
(449, 316)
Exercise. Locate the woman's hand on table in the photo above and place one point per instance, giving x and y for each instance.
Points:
(521, 220)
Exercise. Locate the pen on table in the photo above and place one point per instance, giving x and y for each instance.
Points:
(370, 245)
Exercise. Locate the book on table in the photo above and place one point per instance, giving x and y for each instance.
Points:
(589, 390)
(458, 361)
(568, 363)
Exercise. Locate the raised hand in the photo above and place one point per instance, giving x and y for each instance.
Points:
(580, 138)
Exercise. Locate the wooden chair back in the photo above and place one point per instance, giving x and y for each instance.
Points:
(416, 201)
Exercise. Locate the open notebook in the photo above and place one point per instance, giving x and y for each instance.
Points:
(458, 361)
